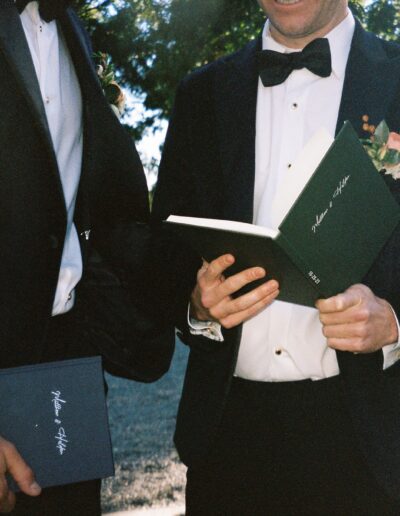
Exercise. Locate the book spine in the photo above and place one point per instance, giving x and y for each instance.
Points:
(308, 273)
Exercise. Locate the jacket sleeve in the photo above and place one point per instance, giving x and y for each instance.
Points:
(120, 323)
(175, 194)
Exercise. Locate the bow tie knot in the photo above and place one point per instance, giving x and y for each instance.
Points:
(49, 9)
(275, 67)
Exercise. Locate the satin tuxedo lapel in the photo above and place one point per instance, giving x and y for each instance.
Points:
(370, 82)
(16, 51)
(100, 123)
(236, 99)
(80, 50)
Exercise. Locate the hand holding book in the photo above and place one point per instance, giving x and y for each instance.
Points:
(357, 321)
(213, 297)
(13, 464)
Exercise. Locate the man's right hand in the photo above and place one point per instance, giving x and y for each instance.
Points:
(212, 300)
(12, 463)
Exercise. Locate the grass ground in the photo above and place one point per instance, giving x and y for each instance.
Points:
(142, 420)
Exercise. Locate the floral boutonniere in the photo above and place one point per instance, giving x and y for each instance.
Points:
(383, 147)
(112, 90)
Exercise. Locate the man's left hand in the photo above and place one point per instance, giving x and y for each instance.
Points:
(357, 320)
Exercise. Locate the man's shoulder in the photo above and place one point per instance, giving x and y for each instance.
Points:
(378, 47)
(207, 74)
(391, 48)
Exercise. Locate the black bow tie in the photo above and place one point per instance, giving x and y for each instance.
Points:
(49, 9)
(275, 67)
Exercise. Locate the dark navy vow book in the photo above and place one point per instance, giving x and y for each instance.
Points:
(55, 413)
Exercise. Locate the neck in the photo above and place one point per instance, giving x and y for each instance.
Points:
(300, 41)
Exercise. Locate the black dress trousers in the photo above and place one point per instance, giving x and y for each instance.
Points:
(283, 449)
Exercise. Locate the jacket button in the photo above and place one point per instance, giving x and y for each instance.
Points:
(53, 241)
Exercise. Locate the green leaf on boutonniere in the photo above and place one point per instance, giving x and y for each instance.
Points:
(381, 133)
(111, 89)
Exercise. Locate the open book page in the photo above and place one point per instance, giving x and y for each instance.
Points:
(301, 170)
(251, 246)
(227, 225)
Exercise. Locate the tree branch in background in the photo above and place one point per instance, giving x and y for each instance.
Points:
(154, 43)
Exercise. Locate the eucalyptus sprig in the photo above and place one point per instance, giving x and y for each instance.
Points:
(112, 90)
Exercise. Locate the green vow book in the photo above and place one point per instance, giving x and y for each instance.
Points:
(328, 240)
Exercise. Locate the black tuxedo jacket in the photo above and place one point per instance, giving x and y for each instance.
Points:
(208, 171)
(112, 196)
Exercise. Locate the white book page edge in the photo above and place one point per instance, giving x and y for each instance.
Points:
(228, 225)
(301, 171)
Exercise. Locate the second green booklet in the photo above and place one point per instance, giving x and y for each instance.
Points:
(329, 238)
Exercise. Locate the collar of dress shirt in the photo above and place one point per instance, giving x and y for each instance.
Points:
(339, 41)
(32, 10)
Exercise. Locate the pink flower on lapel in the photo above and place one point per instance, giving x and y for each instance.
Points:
(394, 141)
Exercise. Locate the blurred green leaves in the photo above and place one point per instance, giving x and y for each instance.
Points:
(154, 43)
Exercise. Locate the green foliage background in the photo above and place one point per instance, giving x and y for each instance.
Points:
(154, 43)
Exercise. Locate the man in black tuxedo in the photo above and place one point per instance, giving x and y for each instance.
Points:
(72, 190)
(285, 409)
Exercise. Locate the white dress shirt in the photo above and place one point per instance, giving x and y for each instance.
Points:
(63, 104)
(285, 341)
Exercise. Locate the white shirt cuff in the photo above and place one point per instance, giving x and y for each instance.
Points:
(391, 352)
(209, 329)
(213, 331)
